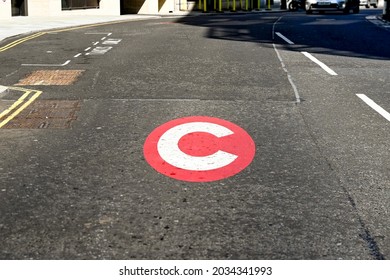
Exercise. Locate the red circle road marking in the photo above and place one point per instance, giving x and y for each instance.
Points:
(199, 149)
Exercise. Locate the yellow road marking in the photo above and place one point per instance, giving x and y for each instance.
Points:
(88, 25)
(22, 40)
(17, 103)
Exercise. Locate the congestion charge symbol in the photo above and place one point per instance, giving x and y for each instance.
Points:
(199, 149)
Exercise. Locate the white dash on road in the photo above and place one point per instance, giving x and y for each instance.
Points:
(77, 55)
(284, 38)
(48, 65)
(112, 41)
(99, 51)
(374, 106)
(321, 64)
(87, 49)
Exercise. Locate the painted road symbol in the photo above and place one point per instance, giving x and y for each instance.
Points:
(99, 51)
(199, 149)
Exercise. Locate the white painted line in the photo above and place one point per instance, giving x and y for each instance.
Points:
(99, 50)
(112, 42)
(374, 106)
(284, 38)
(95, 43)
(102, 39)
(321, 64)
(109, 34)
(77, 55)
(87, 49)
(49, 65)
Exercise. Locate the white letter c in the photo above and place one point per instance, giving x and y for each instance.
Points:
(169, 151)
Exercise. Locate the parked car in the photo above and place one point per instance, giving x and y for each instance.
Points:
(369, 3)
(332, 5)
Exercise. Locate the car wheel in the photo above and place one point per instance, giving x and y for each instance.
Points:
(346, 11)
(356, 10)
(375, 6)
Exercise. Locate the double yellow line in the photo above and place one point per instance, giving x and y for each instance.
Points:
(19, 105)
(30, 95)
(21, 40)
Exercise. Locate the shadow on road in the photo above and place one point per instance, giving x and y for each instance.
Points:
(332, 33)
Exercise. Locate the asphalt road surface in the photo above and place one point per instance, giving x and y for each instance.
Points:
(302, 171)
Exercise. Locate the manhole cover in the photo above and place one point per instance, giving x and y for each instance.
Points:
(46, 114)
(51, 77)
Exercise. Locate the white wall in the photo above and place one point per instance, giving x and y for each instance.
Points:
(107, 7)
(5, 9)
(54, 8)
(169, 6)
(41, 7)
(36, 8)
(151, 7)
(110, 7)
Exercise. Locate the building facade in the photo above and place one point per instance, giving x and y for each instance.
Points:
(10, 8)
